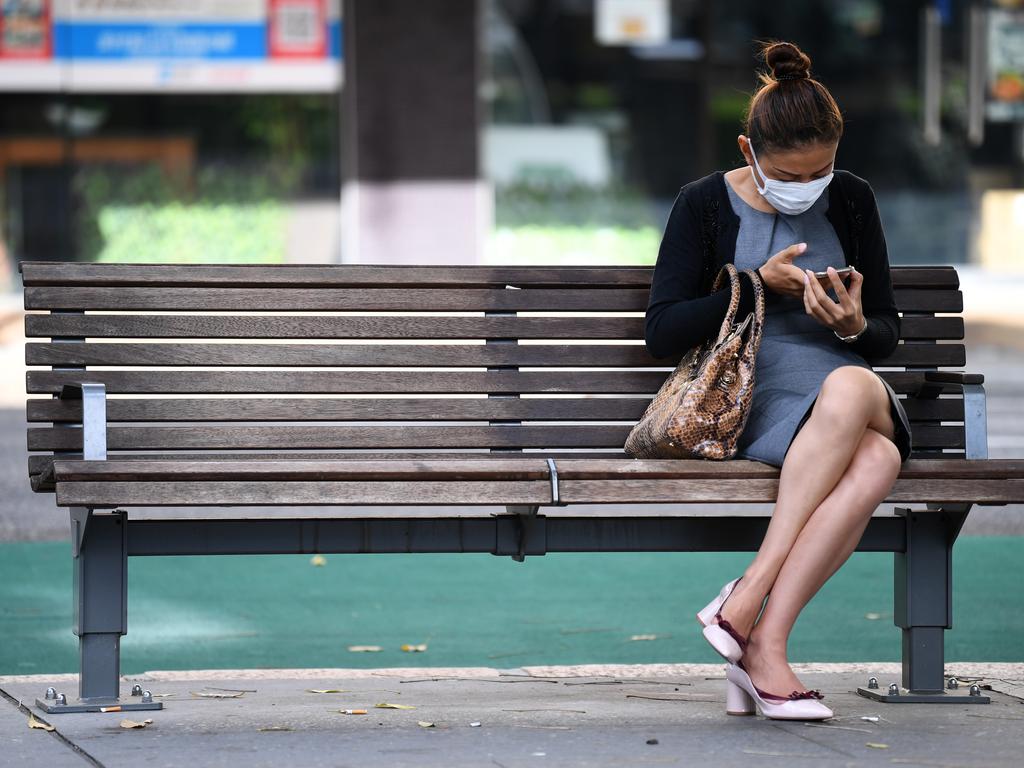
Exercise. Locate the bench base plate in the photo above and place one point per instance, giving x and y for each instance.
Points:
(51, 707)
(909, 697)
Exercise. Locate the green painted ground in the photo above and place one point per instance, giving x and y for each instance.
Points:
(281, 611)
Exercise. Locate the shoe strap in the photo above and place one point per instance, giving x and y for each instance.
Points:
(731, 631)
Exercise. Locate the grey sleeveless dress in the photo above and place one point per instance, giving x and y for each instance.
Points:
(797, 352)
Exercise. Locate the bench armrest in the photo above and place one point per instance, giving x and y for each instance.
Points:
(975, 413)
(94, 416)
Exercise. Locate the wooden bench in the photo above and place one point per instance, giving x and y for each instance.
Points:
(294, 386)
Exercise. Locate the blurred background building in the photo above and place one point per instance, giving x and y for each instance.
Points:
(486, 131)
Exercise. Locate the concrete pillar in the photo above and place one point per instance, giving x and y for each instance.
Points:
(412, 191)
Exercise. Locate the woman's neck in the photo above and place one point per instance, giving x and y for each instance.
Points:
(742, 184)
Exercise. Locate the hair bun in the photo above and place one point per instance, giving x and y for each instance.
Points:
(787, 61)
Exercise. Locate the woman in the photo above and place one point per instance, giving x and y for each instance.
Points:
(819, 411)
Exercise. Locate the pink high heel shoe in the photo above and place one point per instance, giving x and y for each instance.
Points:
(723, 637)
(742, 697)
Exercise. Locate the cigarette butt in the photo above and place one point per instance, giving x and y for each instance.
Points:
(110, 709)
(353, 711)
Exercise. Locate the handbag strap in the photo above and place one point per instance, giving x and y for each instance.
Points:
(729, 271)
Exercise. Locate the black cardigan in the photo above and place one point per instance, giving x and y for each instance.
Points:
(682, 311)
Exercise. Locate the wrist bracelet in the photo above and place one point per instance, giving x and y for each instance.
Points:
(855, 336)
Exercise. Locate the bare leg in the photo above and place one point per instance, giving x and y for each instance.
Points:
(824, 544)
(852, 399)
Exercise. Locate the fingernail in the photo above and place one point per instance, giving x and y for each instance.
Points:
(801, 247)
(807, 280)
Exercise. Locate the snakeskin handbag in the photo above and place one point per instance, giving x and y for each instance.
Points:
(702, 407)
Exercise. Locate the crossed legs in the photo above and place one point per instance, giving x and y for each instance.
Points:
(840, 466)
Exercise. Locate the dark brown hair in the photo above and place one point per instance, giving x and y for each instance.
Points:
(790, 109)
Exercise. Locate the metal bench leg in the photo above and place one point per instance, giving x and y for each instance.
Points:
(923, 606)
(100, 548)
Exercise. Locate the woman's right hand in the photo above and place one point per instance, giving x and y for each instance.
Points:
(780, 275)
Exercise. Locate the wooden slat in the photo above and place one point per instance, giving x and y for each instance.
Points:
(594, 468)
(670, 491)
(924, 276)
(396, 409)
(924, 355)
(327, 355)
(283, 276)
(340, 299)
(931, 328)
(343, 382)
(326, 437)
(42, 464)
(394, 299)
(328, 493)
(388, 382)
(381, 355)
(338, 327)
(376, 436)
(302, 470)
(361, 275)
(351, 409)
(920, 300)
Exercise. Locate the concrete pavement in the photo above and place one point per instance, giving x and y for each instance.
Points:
(535, 716)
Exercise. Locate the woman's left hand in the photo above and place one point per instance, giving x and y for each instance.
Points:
(845, 317)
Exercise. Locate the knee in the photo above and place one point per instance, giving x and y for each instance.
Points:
(877, 459)
(846, 395)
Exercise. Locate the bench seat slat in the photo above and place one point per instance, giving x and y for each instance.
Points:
(391, 299)
(621, 490)
(280, 275)
(312, 493)
(395, 409)
(383, 355)
(394, 327)
(274, 471)
(387, 382)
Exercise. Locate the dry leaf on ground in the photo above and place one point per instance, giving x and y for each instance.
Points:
(318, 560)
(33, 723)
(418, 648)
(325, 690)
(424, 724)
(205, 695)
(364, 648)
(135, 724)
(274, 728)
(873, 745)
(385, 705)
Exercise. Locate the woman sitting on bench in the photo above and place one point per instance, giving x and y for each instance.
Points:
(819, 411)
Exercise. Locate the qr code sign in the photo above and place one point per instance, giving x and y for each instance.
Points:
(297, 27)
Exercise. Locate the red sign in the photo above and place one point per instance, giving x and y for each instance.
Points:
(298, 29)
(25, 30)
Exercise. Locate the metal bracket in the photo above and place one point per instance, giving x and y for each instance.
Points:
(975, 422)
(94, 416)
(531, 532)
(553, 475)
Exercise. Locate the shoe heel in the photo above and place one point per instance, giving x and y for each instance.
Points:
(723, 642)
(737, 700)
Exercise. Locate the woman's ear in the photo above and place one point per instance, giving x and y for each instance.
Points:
(744, 144)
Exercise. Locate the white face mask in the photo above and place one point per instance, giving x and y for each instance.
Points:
(790, 197)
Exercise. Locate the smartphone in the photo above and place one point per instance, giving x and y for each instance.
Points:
(844, 272)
